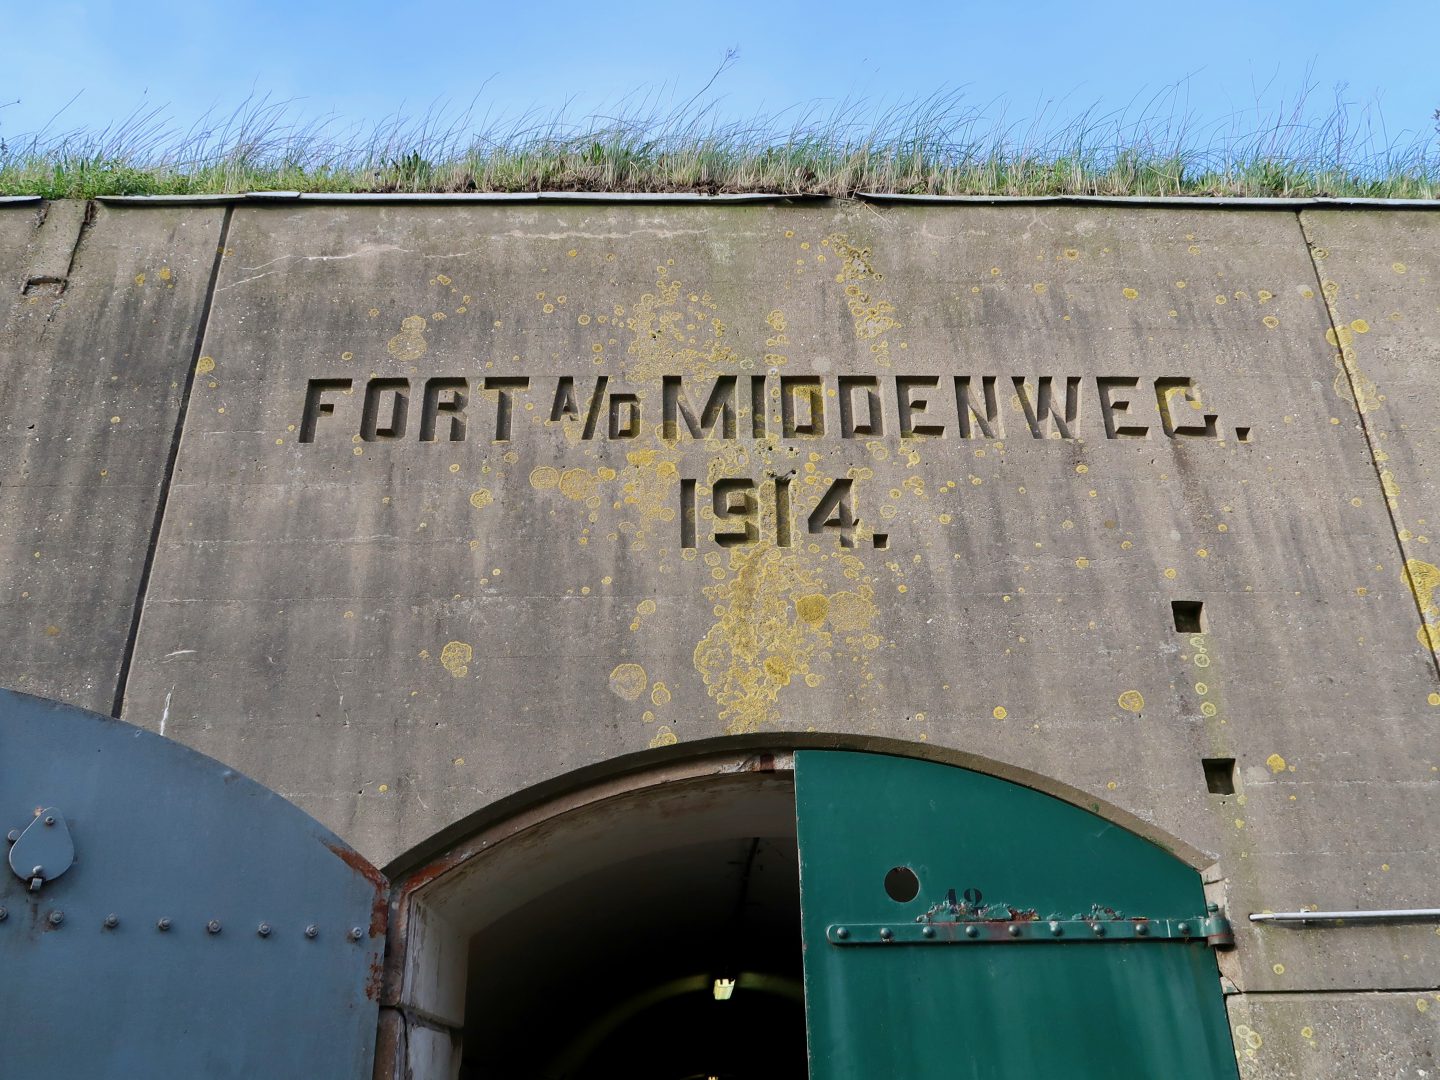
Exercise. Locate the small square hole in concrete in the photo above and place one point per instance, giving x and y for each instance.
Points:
(1219, 775)
(1189, 616)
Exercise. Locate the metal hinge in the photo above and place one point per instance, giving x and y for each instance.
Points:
(1100, 926)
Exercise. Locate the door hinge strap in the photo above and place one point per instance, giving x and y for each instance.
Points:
(1213, 929)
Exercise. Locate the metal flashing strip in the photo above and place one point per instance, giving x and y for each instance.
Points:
(18, 200)
(1203, 202)
(660, 198)
(632, 197)
(1383, 915)
(1207, 928)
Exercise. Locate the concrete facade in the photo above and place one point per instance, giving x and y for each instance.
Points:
(403, 509)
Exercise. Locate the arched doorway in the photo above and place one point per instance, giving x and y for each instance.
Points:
(949, 916)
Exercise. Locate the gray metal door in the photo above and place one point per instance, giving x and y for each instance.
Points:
(164, 916)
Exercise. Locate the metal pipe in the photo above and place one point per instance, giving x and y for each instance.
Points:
(1381, 915)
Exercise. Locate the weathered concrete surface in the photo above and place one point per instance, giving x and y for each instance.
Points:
(101, 321)
(1381, 280)
(1297, 1036)
(395, 631)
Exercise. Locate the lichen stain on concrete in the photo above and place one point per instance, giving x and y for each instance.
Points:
(1352, 384)
(455, 657)
(409, 343)
(1423, 579)
(481, 498)
(1131, 701)
(629, 681)
(778, 610)
(664, 737)
(1276, 763)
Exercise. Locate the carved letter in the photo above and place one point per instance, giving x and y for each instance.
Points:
(370, 427)
(909, 407)
(316, 406)
(504, 407)
(811, 387)
(1165, 389)
(453, 406)
(1039, 414)
(1113, 408)
(989, 421)
(721, 403)
(874, 425)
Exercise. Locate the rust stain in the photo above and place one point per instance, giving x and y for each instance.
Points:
(380, 908)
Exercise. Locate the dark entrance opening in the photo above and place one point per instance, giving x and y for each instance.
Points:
(651, 936)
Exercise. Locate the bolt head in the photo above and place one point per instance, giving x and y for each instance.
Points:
(1184, 928)
(4, 914)
(1142, 930)
(312, 931)
(37, 871)
(13, 835)
(263, 929)
(1098, 928)
(928, 932)
(842, 932)
(112, 921)
(162, 925)
(356, 933)
(56, 918)
(50, 820)
(213, 926)
(886, 933)
(972, 931)
(1013, 930)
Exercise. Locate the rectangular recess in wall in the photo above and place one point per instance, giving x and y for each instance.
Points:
(1189, 616)
(1219, 775)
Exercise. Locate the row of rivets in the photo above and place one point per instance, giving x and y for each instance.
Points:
(111, 921)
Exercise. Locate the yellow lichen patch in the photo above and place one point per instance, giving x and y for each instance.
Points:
(577, 484)
(660, 695)
(455, 658)
(761, 641)
(409, 343)
(629, 681)
(1270, 321)
(1423, 578)
(481, 498)
(999, 712)
(1276, 763)
(204, 365)
(813, 608)
(544, 477)
(1129, 294)
(872, 317)
(1398, 267)
(1131, 701)
(664, 737)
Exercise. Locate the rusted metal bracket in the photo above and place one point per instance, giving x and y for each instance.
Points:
(1213, 929)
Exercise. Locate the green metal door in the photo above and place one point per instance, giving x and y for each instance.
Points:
(1041, 941)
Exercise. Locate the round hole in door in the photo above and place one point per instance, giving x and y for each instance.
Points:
(901, 884)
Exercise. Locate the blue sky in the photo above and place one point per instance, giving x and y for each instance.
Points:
(364, 60)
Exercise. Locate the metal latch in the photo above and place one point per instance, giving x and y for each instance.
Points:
(43, 850)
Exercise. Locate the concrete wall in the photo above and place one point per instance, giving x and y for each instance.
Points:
(245, 505)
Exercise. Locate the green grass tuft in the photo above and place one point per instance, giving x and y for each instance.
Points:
(937, 145)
